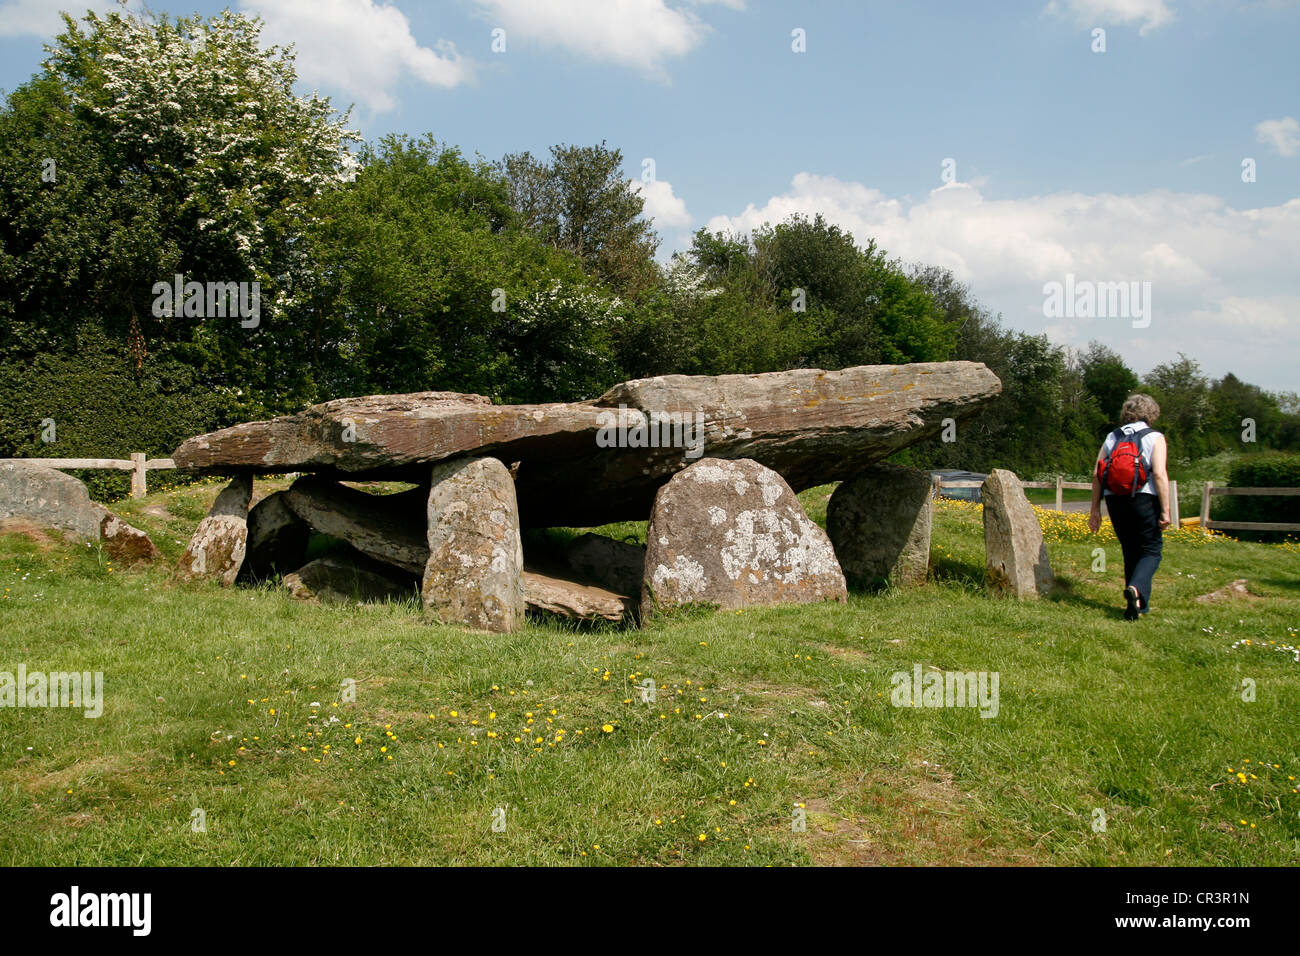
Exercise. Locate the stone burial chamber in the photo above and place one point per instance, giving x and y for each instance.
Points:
(725, 527)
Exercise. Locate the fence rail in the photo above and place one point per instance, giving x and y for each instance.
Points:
(1060, 485)
(1210, 492)
(137, 464)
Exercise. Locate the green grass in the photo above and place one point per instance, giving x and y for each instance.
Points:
(757, 712)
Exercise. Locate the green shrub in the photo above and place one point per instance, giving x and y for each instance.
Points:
(1262, 471)
(102, 406)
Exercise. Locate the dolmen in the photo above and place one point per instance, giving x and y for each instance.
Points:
(713, 462)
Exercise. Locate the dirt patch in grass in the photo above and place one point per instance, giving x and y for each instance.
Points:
(34, 780)
(769, 700)
(910, 816)
(33, 532)
(156, 510)
(847, 653)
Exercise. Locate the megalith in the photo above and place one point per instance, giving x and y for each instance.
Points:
(474, 571)
(217, 549)
(732, 533)
(1015, 555)
(879, 523)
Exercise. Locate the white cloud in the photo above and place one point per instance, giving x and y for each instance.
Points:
(1224, 284)
(1282, 134)
(1152, 14)
(360, 48)
(641, 34)
(666, 210)
(40, 18)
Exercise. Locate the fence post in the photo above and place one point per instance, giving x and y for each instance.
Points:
(1205, 507)
(1175, 517)
(139, 487)
(1060, 493)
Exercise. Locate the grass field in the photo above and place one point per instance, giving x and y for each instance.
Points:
(232, 702)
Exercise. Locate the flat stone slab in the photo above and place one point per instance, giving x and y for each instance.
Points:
(388, 528)
(345, 578)
(551, 594)
(1238, 590)
(584, 464)
(733, 534)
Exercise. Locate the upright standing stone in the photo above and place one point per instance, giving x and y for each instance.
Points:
(474, 574)
(217, 549)
(1015, 554)
(732, 533)
(879, 523)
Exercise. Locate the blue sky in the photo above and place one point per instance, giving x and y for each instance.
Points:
(1115, 166)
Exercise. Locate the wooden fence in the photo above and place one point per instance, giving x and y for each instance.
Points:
(1209, 492)
(1060, 485)
(137, 465)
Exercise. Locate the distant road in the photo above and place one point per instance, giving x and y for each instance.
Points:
(1084, 506)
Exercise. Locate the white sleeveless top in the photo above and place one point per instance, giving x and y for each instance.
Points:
(1148, 447)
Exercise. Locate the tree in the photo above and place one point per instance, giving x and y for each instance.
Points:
(581, 202)
(1108, 380)
(178, 147)
(424, 281)
(1184, 397)
(1232, 401)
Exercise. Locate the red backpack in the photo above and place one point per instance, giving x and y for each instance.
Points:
(1124, 470)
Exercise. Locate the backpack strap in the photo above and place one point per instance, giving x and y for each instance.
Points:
(1136, 438)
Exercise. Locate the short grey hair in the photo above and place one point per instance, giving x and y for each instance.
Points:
(1139, 408)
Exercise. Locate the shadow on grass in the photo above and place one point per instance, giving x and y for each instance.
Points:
(949, 569)
(1281, 584)
(1065, 593)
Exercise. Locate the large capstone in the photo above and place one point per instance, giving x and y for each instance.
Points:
(217, 549)
(1015, 554)
(584, 464)
(879, 523)
(732, 533)
(473, 574)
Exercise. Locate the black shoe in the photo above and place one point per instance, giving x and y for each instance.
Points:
(1131, 596)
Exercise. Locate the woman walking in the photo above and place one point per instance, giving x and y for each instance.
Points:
(1131, 472)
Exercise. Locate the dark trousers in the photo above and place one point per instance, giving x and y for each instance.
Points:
(1136, 521)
